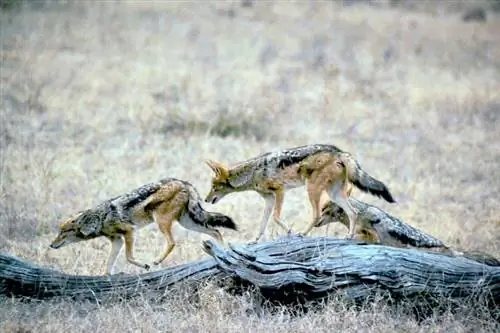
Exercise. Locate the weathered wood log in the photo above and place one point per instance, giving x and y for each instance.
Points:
(21, 278)
(298, 269)
(288, 270)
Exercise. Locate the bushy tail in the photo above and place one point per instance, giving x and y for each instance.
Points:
(221, 220)
(207, 219)
(363, 180)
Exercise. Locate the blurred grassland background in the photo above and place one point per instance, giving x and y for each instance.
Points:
(100, 97)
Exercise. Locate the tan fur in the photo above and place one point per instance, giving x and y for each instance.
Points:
(363, 231)
(322, 168)
(367, 235)
(117, 219)
(271, 190)
(323, 172)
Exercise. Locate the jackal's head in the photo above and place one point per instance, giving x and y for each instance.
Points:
(330, 213)
(73, 230)
(220, 182)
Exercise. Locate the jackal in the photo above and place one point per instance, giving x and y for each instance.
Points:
(320, 167)
(375, 226)
(163, 202)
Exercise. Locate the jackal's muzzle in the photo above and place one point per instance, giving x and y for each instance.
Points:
(212, 200)
(213, 197)
(62, 240)
(323, 220)
(54, 245)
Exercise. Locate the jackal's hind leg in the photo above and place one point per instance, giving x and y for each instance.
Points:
(278, 205)
(314, 194)
(341, 198)
(116, 247)
(165, 224)
(129, 249)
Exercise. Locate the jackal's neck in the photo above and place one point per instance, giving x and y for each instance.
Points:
(241, 168)
(241, 174)
(92, 220)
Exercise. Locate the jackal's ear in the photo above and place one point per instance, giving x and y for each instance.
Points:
(89, 224)
(89, 228)
(218, 168)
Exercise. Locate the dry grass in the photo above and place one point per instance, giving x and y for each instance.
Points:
(99, 99)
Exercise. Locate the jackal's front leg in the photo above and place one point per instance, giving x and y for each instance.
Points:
(116, 246)
(129, 249)
(165, 224)
(269, 201)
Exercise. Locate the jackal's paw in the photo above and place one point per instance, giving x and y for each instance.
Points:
(349, 236)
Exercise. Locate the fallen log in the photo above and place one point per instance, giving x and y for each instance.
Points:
(296, 270)
(287, 270)
(21, 278)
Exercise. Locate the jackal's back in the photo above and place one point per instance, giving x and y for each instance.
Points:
(394, 227)
(407, 235)
(269, 163)
(122, 207)
(296, 155)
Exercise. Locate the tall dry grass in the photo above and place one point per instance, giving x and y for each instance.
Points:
(99, 98)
